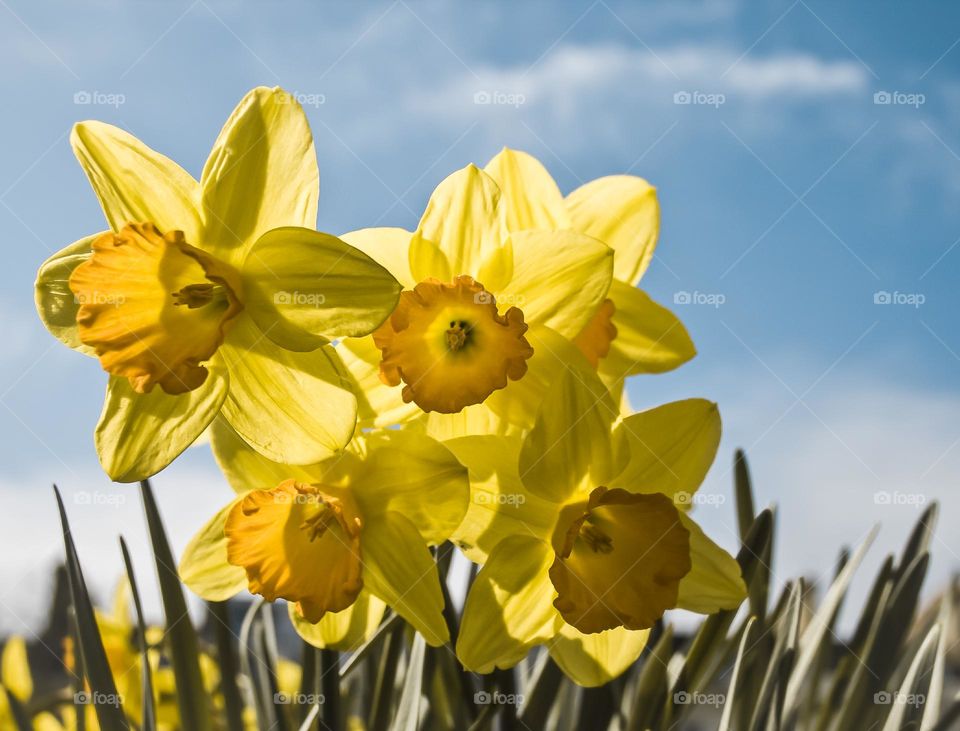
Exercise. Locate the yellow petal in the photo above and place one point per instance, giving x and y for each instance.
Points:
(476, 419)
(261, 174)
(344, 631)
(621, 211)
(509, 607)
(379, 404)
(141, 433)
(398, 568)
(15, 669)
(414, 475)
(465, 221)
(530, 196)
(518, 403)
(668, 449)
(204, 567)
(294, 408)
(560, 278)
(245, 468)
(569, 447)
(715, 581)
(594, 660)
(650, 338)
(500, 506)
(390, 247)
(302, 287)
(620, 560)
(283, 536)
(134, 183)
(56, 304)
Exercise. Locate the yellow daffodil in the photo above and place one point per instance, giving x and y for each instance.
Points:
(486, 308)
(629, 333)
(339, 540)
(214, 297)
(583, 531)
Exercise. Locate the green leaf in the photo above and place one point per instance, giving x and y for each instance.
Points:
(192, 700)
(407, 717)
(93, 658)
(735, 680)
(149, 712)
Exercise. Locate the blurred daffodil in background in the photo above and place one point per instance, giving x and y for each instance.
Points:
(589, 540)
(202, 293)
(340, 540)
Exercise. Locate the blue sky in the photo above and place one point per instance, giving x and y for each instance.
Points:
(793, 199)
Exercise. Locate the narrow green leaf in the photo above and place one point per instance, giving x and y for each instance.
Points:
(922, 663)
(407, 717)
(732, 698)
(934, 695)
(744, 491)
(540, 692)
(651, 687)
(192, 700)
(146, 674)
(227, 659)
(93, 658)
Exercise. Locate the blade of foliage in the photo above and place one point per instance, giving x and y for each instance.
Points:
(192, 701)
(732, 698)
(227, 660)
(407, 717)
(93, 658)
(146, 674)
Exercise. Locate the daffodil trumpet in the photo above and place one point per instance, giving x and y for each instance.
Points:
(486, 316)
(214, 297)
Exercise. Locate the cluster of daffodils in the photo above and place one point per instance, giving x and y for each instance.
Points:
(372, 395)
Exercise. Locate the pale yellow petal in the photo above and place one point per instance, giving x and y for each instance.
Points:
(246, 469)
(378, 404)
(529, 194)
(390, 247)
(56, 304)
(596, 659)
(509, 608)
(294, 408)
(622, 211)
(668, 449)
(135, 183)
(344, 631)
(559, 278)
(715, 581)
(141, 433)
(262, 173)
(204, 567)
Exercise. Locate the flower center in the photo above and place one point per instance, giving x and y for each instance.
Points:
(619, 560)
(450, 346)
(300, 543)
(153, 307)
(597, 335)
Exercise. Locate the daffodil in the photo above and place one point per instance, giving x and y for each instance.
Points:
(214, 297)
(340, 540)
(629, 333)
(486, 312)
(584, 534)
